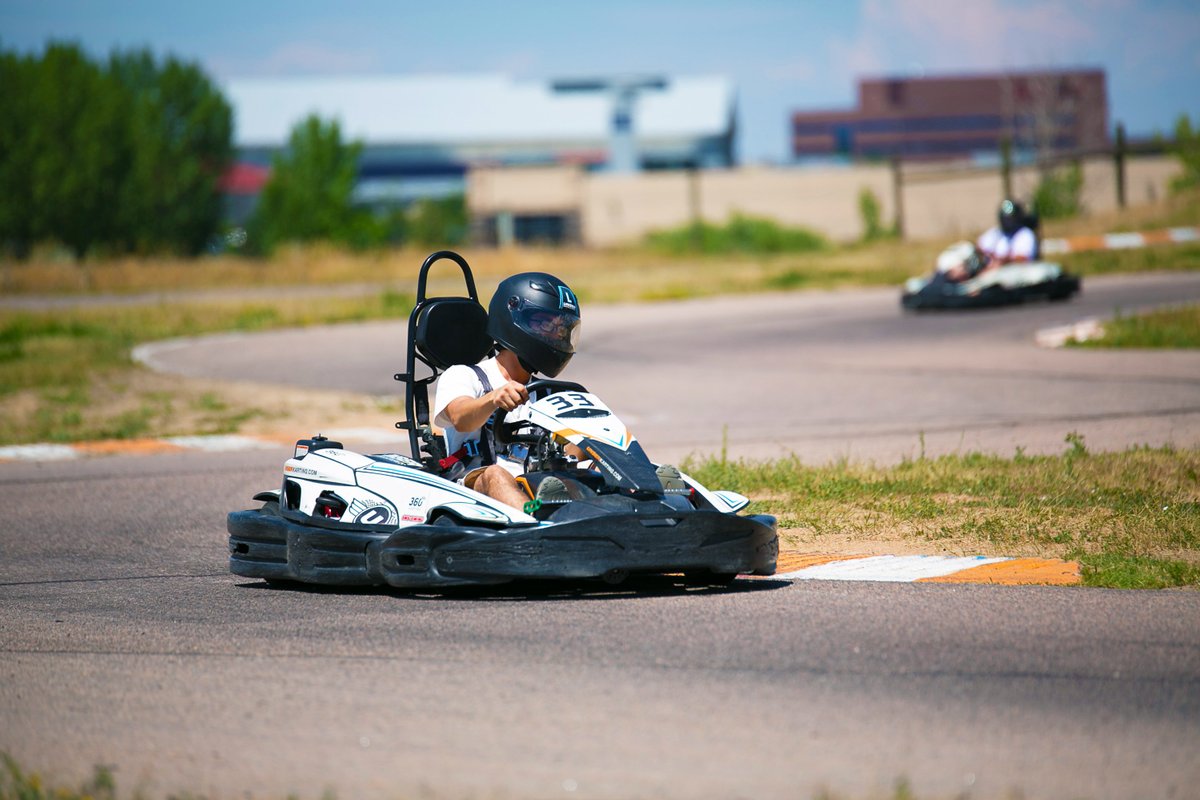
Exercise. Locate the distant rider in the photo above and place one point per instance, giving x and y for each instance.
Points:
(1011, 240)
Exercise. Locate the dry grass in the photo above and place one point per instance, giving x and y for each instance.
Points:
(1171, 211)
(597, 276)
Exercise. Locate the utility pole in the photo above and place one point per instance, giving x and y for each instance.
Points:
(1119, 164)
(1006, 164)
(898, 195)
(622, 150)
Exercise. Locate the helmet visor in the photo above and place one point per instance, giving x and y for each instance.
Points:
(558, 329)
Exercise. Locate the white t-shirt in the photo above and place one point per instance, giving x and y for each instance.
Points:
(1022, 244)
(461, 381)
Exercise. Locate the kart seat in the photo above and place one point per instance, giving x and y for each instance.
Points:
(452, 330)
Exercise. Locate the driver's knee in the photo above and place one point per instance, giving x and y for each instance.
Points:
(494, 477)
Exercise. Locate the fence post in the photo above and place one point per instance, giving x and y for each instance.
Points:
(1119, 164)
(693, 176)
(898, 196)
(1006, 164)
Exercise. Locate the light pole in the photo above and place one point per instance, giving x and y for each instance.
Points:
(622, 151)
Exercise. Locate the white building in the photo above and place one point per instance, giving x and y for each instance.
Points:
(421, 134)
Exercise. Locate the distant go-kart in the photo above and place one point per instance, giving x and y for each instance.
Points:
(958, 281)
(343, 518)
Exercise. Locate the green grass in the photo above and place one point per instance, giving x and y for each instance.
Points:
(1132, 518)
(1168, 328)
(1161, 258)
(741, 234)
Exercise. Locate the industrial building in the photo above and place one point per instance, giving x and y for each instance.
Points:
(962, 116)
(422, 134)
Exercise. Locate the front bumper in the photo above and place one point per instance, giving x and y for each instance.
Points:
(263, 544)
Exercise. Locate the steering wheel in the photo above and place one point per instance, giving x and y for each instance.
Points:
(545, 386)
(505, 433)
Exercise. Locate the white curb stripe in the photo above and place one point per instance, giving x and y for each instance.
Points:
(219, 444)
(1124, 241)
(38, 452)
(1083, 331)
(1120, 241)
(896, 569)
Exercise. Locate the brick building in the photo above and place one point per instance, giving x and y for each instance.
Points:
(941, 117)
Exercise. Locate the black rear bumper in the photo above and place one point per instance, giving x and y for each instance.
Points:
(263, 544)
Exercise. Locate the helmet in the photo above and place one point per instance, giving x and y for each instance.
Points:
(536, 316)
(1011, 217)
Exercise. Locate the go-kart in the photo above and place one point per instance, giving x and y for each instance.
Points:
(344, 518)
(959, 281)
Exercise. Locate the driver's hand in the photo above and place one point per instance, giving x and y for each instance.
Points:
(509, 396)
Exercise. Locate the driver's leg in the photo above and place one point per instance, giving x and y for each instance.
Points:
(498, 483)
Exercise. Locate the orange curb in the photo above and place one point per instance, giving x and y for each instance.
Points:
(106, 447)
(1016, 572)
(1086, 242)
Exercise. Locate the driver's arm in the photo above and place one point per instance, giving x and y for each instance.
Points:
(468, 414)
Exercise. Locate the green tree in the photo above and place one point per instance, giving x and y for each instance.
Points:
(16, 153)
(309, 194)
(1187, 147)
(179, 133)
(75, 141)
(440, 222)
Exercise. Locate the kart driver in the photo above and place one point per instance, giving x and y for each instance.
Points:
(534, 319)
(1011, 240)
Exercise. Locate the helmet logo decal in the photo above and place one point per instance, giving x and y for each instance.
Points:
(566, 299)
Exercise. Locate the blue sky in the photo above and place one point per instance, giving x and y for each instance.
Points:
(782, 55)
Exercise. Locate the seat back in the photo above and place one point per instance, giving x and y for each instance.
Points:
(452, 330)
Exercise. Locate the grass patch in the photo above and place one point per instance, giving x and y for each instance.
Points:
(741, 234)
(1162, 258)
(1121, 514)
(1136, 572)
(64, 375)
(1168, 328)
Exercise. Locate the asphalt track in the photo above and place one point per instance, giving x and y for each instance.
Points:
(124, 641)
(821, 375)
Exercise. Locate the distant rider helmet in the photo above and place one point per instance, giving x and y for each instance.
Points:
(1011, 217)
(536, 316)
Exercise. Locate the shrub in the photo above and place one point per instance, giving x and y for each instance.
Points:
(1057, 196)
(742, 234)
(1187, 148)
(869, 212)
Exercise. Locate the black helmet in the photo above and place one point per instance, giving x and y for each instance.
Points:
(1011, 217)
(536, 316)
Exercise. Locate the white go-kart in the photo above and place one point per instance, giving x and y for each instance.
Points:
(346, 518)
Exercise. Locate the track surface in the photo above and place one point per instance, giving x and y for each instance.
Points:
(825, 375)
(123, 640)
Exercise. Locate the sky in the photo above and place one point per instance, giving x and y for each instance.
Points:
(782, 55)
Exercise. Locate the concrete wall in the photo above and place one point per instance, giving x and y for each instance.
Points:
(524, 190)
(938, 203)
